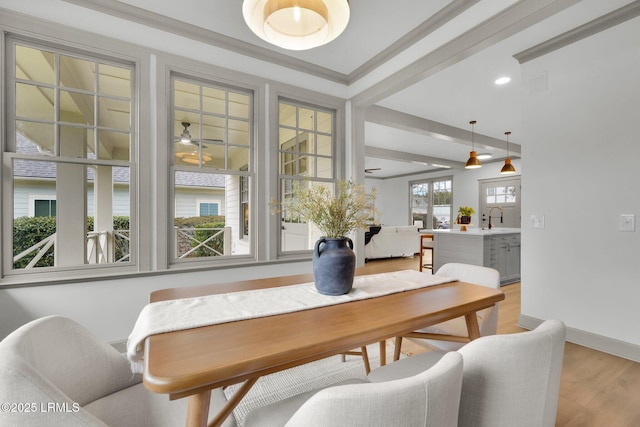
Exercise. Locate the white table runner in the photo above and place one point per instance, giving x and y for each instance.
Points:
(174, 315)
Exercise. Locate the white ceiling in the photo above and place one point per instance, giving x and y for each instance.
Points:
(389, 56)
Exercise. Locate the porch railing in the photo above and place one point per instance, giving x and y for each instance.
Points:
(41, 248)
(114, 246)
(195, 242)
(101, 248)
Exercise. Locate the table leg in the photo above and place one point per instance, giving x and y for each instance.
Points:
(397, 349)
(198, 409)
(472, 325)
(383, 353)
(233, 402)
(365, 359)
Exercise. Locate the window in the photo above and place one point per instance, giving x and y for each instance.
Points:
(70, 136)
(211, 148)
(305, 148)
(207, 209)
(431, 203)
(501, 194)
(44, 208)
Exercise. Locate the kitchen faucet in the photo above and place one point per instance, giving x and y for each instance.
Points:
(491, 210)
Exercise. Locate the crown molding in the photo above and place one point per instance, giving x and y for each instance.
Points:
(174, 26)
(144, 17)
(602, 23)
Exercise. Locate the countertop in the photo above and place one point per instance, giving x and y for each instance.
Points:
(474, 231)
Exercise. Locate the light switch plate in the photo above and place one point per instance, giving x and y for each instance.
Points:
(536, 221)
(627, 222)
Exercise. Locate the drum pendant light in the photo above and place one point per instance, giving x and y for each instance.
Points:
(508, 168)
(296, 24)
(473, 162)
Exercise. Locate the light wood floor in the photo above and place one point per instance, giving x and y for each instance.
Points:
(597, 389)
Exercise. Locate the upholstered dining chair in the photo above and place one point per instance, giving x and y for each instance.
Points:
(430, 398)
(508, 380)
(70, 378)
(452, 334)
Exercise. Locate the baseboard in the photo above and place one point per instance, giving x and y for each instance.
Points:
(587, 339)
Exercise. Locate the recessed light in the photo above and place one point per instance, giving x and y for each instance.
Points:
(502, 80)
(484, 156)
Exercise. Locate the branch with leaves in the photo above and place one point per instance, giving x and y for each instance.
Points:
(335, 215)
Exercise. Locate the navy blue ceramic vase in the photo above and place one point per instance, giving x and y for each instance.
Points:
(334, 265)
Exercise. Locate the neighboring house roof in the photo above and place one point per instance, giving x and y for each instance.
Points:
(194, 179)
(47, 170)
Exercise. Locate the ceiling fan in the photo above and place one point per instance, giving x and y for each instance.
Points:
(371, 170)
(185, 137)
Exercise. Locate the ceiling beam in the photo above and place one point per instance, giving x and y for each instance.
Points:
(440, 18)
(512, 20)
(602, 23)
(396, 119)
(401, 156)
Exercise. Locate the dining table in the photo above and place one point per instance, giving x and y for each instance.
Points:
(192, 362)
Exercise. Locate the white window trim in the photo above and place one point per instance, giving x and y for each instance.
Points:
(22, 27)
(313, 99)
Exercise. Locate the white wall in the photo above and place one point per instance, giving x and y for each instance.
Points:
(109, 308)
(392, 199)
(580, 151)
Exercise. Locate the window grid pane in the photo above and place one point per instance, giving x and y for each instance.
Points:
(71, 106)
(203, 128)
(301, 145)
(305, 137)
(211, 156)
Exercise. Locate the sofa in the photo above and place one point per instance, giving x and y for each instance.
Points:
(393, 241)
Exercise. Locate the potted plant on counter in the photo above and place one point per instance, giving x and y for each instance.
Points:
(464, 215)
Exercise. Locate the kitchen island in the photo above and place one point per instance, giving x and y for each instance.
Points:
(497, 248)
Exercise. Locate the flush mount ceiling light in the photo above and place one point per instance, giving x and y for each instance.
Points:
(508, 167)
(473, 162)
(193, 158)
(502, 80)
(296, 24)
(484, 156)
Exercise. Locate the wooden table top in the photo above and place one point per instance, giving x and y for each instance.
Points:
(194, 360)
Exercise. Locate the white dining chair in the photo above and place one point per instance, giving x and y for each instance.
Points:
(453, 334)
(72, 379)
(429, 398)
(508, 380)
